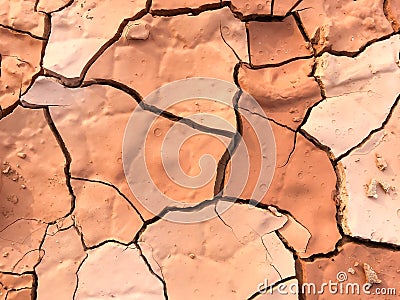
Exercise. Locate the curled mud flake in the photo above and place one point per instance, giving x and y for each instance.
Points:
(371, 189)
(381, 163)
(370, 275)
(21, 155)
(386, 186)
(351, 271)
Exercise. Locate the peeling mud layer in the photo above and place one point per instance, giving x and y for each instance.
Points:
(278, 153)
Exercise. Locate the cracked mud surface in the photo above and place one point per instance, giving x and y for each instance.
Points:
(325, 77)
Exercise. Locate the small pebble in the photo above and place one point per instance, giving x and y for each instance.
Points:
(21, 155)
(351, 271)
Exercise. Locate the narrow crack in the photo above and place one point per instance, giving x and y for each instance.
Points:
(381, 127)
(69, 3)
(225, 42)
(280, 64)
(67, 156)
(23, 32)
(115, 188)
(164, 284)
(188, 10)
(77, 277)
(234, 143)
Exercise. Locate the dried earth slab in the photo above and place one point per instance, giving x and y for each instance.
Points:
(16, 286)
(174, 48)
(285, 93)
(20, 56)
(276, 42)
(104, 106)
(373, 212)
(351, 268)
(32, 166)
(22, 16)
(233, 253)
(296, 187)
(20, 243)
(370, 86)
(80, 30)
(344, 26)
(63, 254)
(102, 214)
(131, 277)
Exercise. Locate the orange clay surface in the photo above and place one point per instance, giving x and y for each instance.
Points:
(322, 212)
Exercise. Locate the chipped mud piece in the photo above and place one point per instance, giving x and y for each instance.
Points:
(371, 189)
(351, 271)
(370, 275)
(276, 42)
(381, 163)
(385, 186)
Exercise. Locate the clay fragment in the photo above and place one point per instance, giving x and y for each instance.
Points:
(371, 189)
(381, 163)
(385, 186)
(351, 271)
(370, 275)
